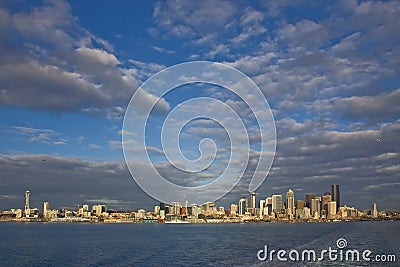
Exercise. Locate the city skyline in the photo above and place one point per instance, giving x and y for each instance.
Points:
(275, 208)
(329, 71)
(290, 202)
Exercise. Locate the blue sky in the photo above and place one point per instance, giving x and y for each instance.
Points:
(329, 70)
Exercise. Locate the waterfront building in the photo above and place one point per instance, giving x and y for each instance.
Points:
(374, 211)
(46, 209)
(85, 207)
(307, 212)
(234, 209)
(99, 209)
(331, 210)
(27, 209)
(156, 209)
(162, 214)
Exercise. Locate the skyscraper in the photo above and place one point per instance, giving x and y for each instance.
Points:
(308, 200)
(27, 209)
(46, 208)
(277, 203)
(253, 203)
(262, 205)
(290, 201)
(299, 204)
(324, 202)
(374, 211)
(316, 207)
(331, 210)
(268, 206)
(242, 205)
(336, 195)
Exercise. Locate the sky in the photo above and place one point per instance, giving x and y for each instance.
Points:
(329, 70)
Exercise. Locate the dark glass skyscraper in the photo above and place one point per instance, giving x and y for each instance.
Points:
(336, 195)
(308, 200)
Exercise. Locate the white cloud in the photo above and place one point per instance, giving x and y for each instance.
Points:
(384, 106)
(58, 65)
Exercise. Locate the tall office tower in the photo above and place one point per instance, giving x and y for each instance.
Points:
(277, 203)
(253, 203)
(162, 206)
(99, 209)
(290, 201)
(324, 202)
(46, 209)
(186, 206)
(316, 207)
(243, 205)
(300, 204)
(27, 209)
(336, 195)
(262, 205)
(268, 206)
(308, 200)
(175, 208)
(332, 210)
(374, 211)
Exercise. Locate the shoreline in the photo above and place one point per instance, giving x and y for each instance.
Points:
(69, 221)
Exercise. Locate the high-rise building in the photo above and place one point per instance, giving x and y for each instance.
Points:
(268, 206)
(253, 203)
(175, 208)
(336, 195)
(277, 203)
(300, 204)
(27, 209)
(316, 207)
(324, 202)
(374, 211)
(331, 210)
(243, 204)
(308, 200)
(162, 206)
(290, 201)
(99, 209)
(46, 209)
(262, 205)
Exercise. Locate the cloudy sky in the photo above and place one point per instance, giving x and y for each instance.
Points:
(330, 72)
